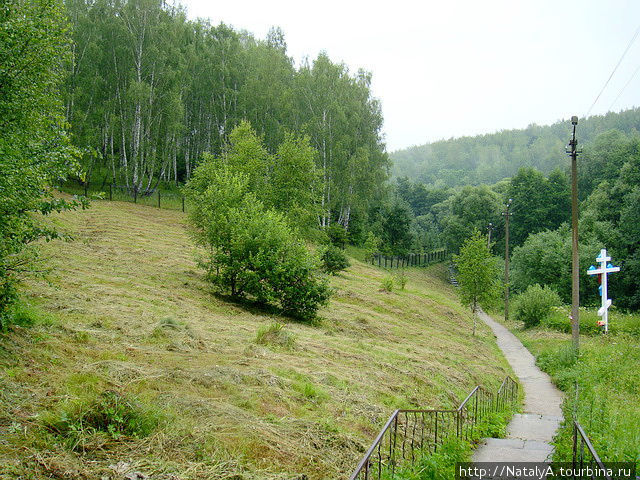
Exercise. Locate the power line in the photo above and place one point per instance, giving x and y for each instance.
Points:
(625, 87)
(635, 35)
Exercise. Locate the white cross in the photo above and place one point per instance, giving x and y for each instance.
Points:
(604, 269)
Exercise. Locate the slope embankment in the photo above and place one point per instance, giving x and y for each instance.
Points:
(192, 385)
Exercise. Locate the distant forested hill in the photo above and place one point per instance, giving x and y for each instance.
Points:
(490, 158)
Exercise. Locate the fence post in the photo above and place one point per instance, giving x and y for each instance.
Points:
(158, 198)
(110, 191)
(135, 194)
(86, 186)
(182, 204)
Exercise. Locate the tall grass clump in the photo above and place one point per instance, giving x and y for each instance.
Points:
(387, 284)
(275, 334)
(109, 414)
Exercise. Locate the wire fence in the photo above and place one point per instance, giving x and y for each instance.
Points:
(410, 434)
(123, 193)
(410, 259)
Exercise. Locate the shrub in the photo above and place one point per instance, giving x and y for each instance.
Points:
(402, 279)
(387, 283)
(337, 235)
(252, 251)
(535, 304)
(371, 246)
(334, 260)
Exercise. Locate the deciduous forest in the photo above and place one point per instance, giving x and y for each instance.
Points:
(147, 92)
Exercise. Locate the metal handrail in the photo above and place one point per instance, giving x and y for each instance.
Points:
(404, 438)
(584, 441)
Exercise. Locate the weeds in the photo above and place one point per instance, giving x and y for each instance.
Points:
(110, 413)
(402, 278)
(387, 284)
(275, 334)
(439, 465)
(602, 387)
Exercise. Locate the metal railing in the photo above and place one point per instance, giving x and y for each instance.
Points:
(584, 455)
(409, 434)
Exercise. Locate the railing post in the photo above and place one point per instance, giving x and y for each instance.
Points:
(575, 448)
(393, 455)
(435, 440)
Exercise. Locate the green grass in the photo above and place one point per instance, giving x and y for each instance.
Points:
(126, 310)
(619, 322)
(607, 376)
(440, 465)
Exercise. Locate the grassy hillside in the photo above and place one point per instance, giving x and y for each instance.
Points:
(133, 364)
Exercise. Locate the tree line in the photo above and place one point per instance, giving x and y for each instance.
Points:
(540, 237)
(148, 92)
(493, 157)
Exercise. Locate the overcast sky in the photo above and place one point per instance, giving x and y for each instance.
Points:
(452, 68)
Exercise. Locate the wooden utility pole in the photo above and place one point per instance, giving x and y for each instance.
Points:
(572, 150)
(507, 215)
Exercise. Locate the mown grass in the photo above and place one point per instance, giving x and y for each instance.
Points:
(602, 384)
(125, 310)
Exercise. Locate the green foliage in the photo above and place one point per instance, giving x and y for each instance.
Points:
(611, 219)
(396, 228)
(478, 273)
(421, 197)
(439, 465)
(401, 279)
(387, 284)
(608, 381)
(251, 250)
(34, 149)
(371, 246)
(542, 203)
(535, 304)
(275, 334)
(148, 91)
(490, 158)
(111, 413)
(337, 235)
(294, 181)
(334, 259)
(619, 322)
(472, 208)
(545, 259)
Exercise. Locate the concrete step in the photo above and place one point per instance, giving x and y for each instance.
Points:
(531, 426)
(512, 450)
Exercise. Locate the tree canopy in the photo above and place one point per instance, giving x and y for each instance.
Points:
(34, 150)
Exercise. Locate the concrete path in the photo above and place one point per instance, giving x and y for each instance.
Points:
(529, 434)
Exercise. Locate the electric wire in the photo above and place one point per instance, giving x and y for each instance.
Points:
(625, 87)
(633, 39)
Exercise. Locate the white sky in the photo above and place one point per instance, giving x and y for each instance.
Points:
(450, 68)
